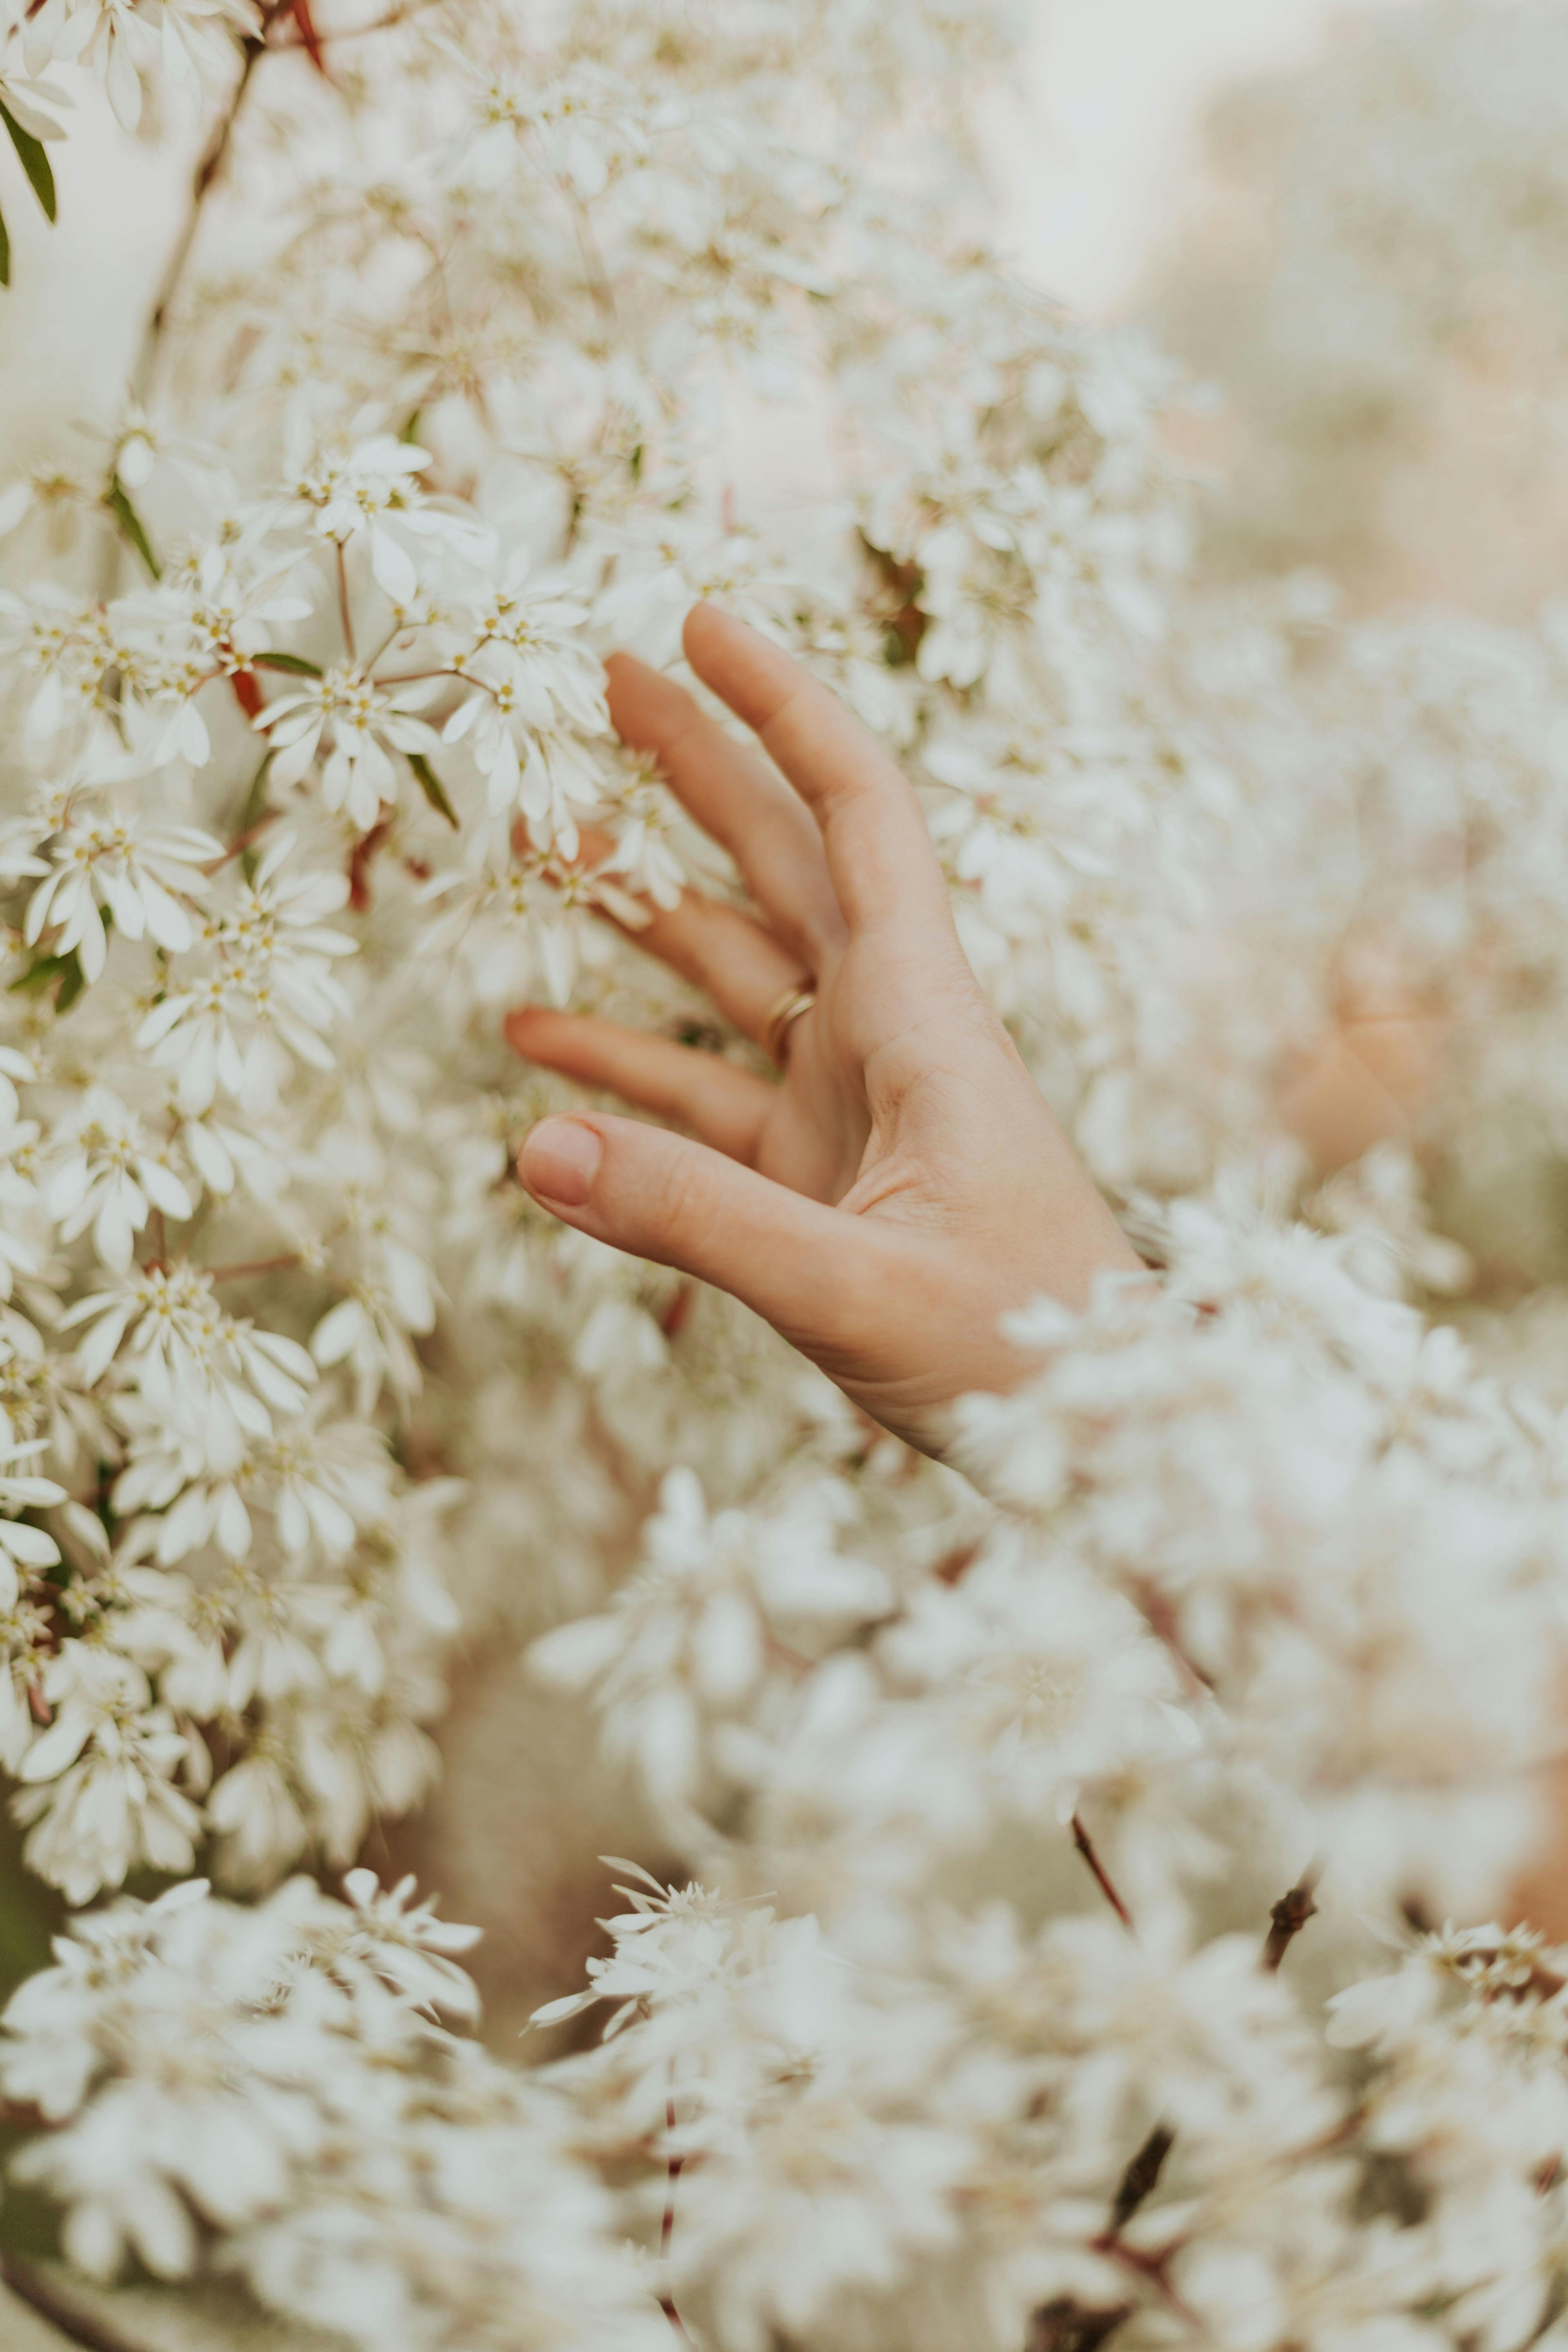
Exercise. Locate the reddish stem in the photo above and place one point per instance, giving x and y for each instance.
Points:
(1085, 1844)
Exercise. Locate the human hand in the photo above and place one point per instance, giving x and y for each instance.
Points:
(904, 1184)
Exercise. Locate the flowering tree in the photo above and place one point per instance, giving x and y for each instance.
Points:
(1003, 1795)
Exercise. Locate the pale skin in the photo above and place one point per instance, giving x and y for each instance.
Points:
(902, 1185)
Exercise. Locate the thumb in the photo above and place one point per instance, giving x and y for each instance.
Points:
(658, 1196)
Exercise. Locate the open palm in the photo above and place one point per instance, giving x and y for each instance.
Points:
(905, 1183)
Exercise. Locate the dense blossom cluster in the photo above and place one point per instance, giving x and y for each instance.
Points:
(1258, 1584)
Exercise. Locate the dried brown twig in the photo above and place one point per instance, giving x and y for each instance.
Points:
(1289, 1915)
(1085, 1844)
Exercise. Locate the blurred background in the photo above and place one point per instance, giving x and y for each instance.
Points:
(1092, 157)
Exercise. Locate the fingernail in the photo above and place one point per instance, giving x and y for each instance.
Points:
(560, 1161)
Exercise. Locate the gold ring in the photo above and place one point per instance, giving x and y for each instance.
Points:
(775, 1028)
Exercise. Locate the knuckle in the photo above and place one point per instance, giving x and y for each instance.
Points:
(681, 1204)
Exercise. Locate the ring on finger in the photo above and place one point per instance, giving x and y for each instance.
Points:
(787, 1009)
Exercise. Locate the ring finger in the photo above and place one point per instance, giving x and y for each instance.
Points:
(742, 968)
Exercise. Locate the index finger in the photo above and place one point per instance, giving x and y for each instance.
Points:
(879, 855)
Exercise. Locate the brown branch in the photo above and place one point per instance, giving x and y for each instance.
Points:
(667, 2229)
(309, 40)
(243, 841)
(29, 2287)
(214, 155)
(1085, 1844)
(1164, 1624)
(355, 32)
(1142, 2176)
(1064, 2326)
(1155, 2267)
(1289, 1915)
(257, 1265)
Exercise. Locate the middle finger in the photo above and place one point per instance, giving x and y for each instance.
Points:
(735, 796)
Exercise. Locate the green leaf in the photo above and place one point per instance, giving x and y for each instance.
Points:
(34, 160)
(411, 430)
(295, 664)
(251, 816)
(430, 785)
(42, 974)
(255, 798)
(5, 253)
(131, 523)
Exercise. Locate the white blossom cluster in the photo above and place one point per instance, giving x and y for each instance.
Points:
(306, 774)
(281, 2076)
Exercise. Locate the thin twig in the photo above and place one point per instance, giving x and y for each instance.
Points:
(257, 1266)
(1289, 1915)
(667, 2229)
(357, 32)
(1142, 2176)
(1155, 2267)
(676, 2162)
(1085, 1844)
(594, 269)
(214, 155)
(667, 2305)
(345, 614)
(242, 840)
(1165, 1625)
(29, 2287)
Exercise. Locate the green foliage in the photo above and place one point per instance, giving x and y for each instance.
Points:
(34, 158)
(35, 162)
(43, 973)
(30, 1914)
(119, 505)
(430, 785)
(295, 664)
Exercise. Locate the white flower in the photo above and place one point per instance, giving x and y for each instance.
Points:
(109, 1176)
(132, 868)
(690, 1632)
(359, 720)
(120, 39)
(271, 1000)
(23, 1549)
(532, 672)
(97, 1784)
(219, 606)
(371, 489)
(211, 1381)
(408, 1946)
(28, 100)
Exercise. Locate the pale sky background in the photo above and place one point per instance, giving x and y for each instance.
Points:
(1117, 90)
(1092, 157)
